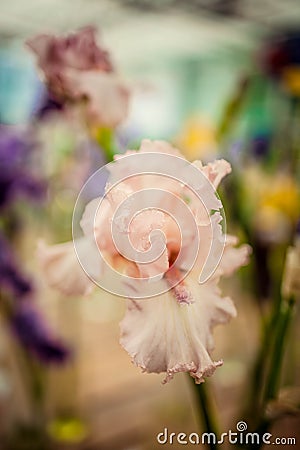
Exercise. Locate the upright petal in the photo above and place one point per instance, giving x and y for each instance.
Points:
(215, 171)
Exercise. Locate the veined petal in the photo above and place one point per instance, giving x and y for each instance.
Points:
(162, 336)
(179, 289)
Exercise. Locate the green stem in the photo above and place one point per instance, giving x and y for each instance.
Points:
(271, 381)
(233, 109)
(36, 384)
(273, 378)
(294, 135)
(269, 357)
(105, 138)
(206, 410)
(269, 324)
(257, 378)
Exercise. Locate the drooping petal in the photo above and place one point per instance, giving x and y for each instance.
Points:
(62, 269)
(179, 289)
(162, 335)
(233, 257)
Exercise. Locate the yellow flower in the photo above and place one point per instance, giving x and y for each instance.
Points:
(291, 79)
(197, 139)
(283, 194)
(272, 202)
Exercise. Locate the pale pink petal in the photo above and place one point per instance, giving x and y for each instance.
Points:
(210, 250)
(121, 168)
(97, 218)
(117, 194)
(87, 222)
(163, 336)
(179, 289)
(142, 225)
(156, 269)
(40, 45)
(127, 153)
(201, 196)
(215, 171)
(108, 97)
(148, 146)
(96, 222)
(233, 257)
(152, 255)
(62, 269)
(125, 165)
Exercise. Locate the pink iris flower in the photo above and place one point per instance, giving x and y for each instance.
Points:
(170, 332)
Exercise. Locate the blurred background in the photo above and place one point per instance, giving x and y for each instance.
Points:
(217, 79)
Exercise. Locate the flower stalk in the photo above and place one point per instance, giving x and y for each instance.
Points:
(265, 380)
(268, 371)
(283, 323)
(206, 410)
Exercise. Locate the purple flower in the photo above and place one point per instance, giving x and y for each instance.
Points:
(260, 146)
(35, 336)
(10, 276)
(48, 105)
(16, 177)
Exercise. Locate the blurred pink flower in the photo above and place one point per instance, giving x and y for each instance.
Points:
(75, 68)
(171, 332)
(107, 95)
